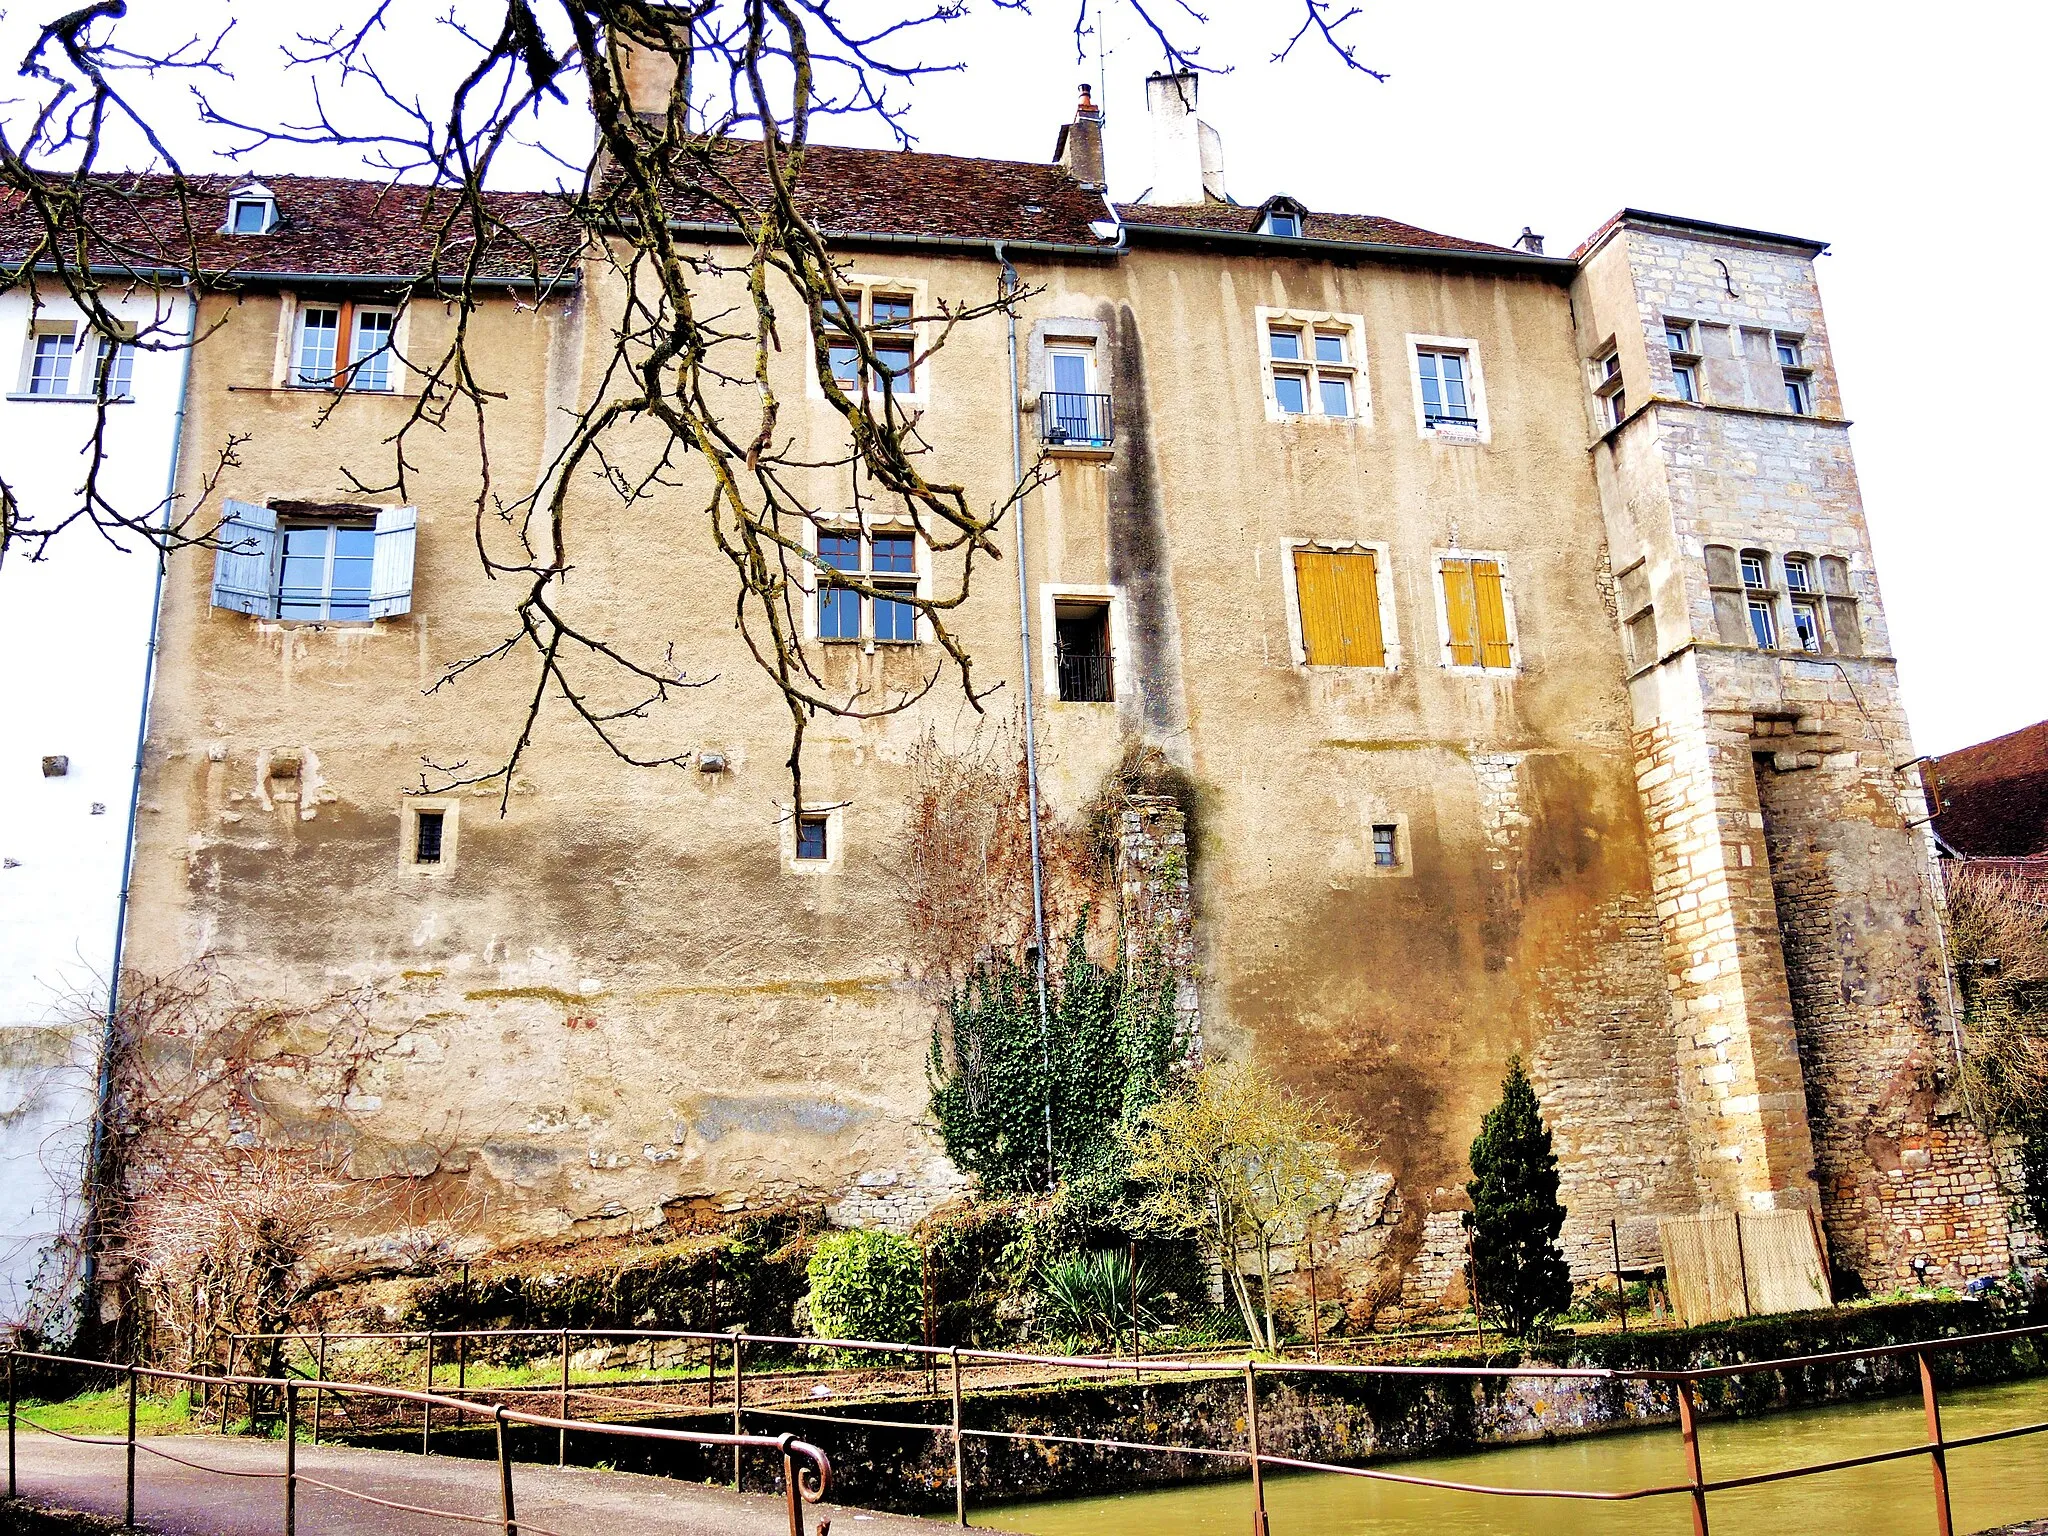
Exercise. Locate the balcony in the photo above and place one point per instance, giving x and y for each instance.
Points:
(1086, 677)
(1067, 421)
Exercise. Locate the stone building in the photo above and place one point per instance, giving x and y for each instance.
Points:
(1512, 615)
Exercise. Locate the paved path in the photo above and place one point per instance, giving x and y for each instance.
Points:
(175, 1500)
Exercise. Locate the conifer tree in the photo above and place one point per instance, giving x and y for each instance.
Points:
(1517, 1261)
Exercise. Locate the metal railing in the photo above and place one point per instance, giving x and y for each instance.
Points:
(1086, 677)
(806, 1470)
(1450, 419)
(1075, 421)
(957, 1365)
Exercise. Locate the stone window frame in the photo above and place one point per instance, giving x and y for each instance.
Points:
(1610, 386)
(834, 815)
(1122, 682)
(1443, 614)
(1383, 579)
(1353, 369)
(1475, 388)
(1833, 594)
(867, 528)
(920, 332)
(1686, 360)
(1069, 332)
(1403, 867)
(408, 833)
(284, 368)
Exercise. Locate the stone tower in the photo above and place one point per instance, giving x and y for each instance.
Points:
(1792, 872)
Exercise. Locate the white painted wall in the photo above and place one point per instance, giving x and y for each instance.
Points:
(74, 637)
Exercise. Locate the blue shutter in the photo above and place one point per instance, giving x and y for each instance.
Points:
(391, 572)
(245, 564)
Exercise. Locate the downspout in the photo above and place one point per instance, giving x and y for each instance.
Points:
(1007, 282)
(104, 1092)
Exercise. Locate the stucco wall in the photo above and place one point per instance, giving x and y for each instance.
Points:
(76, 629)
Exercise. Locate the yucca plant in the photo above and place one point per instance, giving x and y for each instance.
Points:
(1090, 1294)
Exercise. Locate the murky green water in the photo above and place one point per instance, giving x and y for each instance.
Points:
(1989, 1484)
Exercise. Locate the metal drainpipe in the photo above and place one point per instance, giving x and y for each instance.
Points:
(1008, 282)
(105, 1089)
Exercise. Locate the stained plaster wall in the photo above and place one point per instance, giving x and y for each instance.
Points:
(622, 1003)
(1792, 880)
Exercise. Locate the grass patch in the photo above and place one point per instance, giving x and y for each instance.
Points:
(106, 1414)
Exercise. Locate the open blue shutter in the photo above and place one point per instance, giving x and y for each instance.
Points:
(245, 565)
(391, 572)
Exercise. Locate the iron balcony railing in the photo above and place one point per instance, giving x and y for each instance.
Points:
(1086, 677)
(1451, 419)
(1074, 421)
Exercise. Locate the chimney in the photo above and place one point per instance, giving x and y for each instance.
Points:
(1187, 154)
(650, 78)
(1528, 240)
(1079, 151)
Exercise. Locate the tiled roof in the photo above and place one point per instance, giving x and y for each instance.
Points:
(1360, 228)
(907, 192)
(329, 226)
(1995, 796)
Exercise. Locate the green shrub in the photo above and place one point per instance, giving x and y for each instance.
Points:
(867, 1285)
(1089, 1295)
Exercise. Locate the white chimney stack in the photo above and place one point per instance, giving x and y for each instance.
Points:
(1187, 154)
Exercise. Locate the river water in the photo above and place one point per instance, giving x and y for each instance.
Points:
(1989, 1484)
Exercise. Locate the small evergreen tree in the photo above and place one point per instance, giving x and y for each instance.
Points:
(1517, 1261)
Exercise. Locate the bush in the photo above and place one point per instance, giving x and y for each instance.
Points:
(867, 1285)
(1089, 1295)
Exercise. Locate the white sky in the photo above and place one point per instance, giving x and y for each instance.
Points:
(1910, 138)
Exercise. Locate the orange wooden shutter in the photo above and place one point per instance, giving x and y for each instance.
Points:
(1340, 608)
(1460, 613)
(1494, 650)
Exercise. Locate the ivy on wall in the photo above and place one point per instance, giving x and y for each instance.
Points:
(1027, 1104)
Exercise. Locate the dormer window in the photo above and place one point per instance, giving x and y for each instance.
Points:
(1283, 218)
(252, 210)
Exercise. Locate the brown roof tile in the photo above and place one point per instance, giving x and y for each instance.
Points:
(1995, 796)
(1361, 228)
(327, 226)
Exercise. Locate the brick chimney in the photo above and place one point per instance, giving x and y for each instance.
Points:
(1187, 154)
(650, 77)
(1079, 150)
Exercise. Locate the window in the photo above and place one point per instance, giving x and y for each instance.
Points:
(49, 371)
(885, 562)
(1806, 623)
(1086, 667)
(252, 210)
(1072, 413)
(251, 218)
(810, 838)
(1756, 570)
(325, 573)
(318, 360)
(426, 840)
(1386, 846)
(1338, 594)
(886, 317)
(1798, 574)
(1763, 623)
(1798, 381)
(1475, 613)
(114, 372)
(1685, 359)
(1283, 223)
(1313, 364)
(1446, 400)
(1613, 397)
(320, 563)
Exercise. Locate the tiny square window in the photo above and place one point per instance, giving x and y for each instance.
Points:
(1755, 573)
(50, 364)
(252, 217)
(1291, 391)
(1283, 224)
(1678, 336)
(890, 309)
(1386, 847)
(426, 839)
(1286, 345)
(1788, 353)
(810, 838)
(1329, 346)
(1798, 574)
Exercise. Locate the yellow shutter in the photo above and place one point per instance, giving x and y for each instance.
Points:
(1340, 608)
(1460, 613)
(1494, 650)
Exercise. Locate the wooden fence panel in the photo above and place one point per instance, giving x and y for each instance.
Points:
(1718, 1265)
